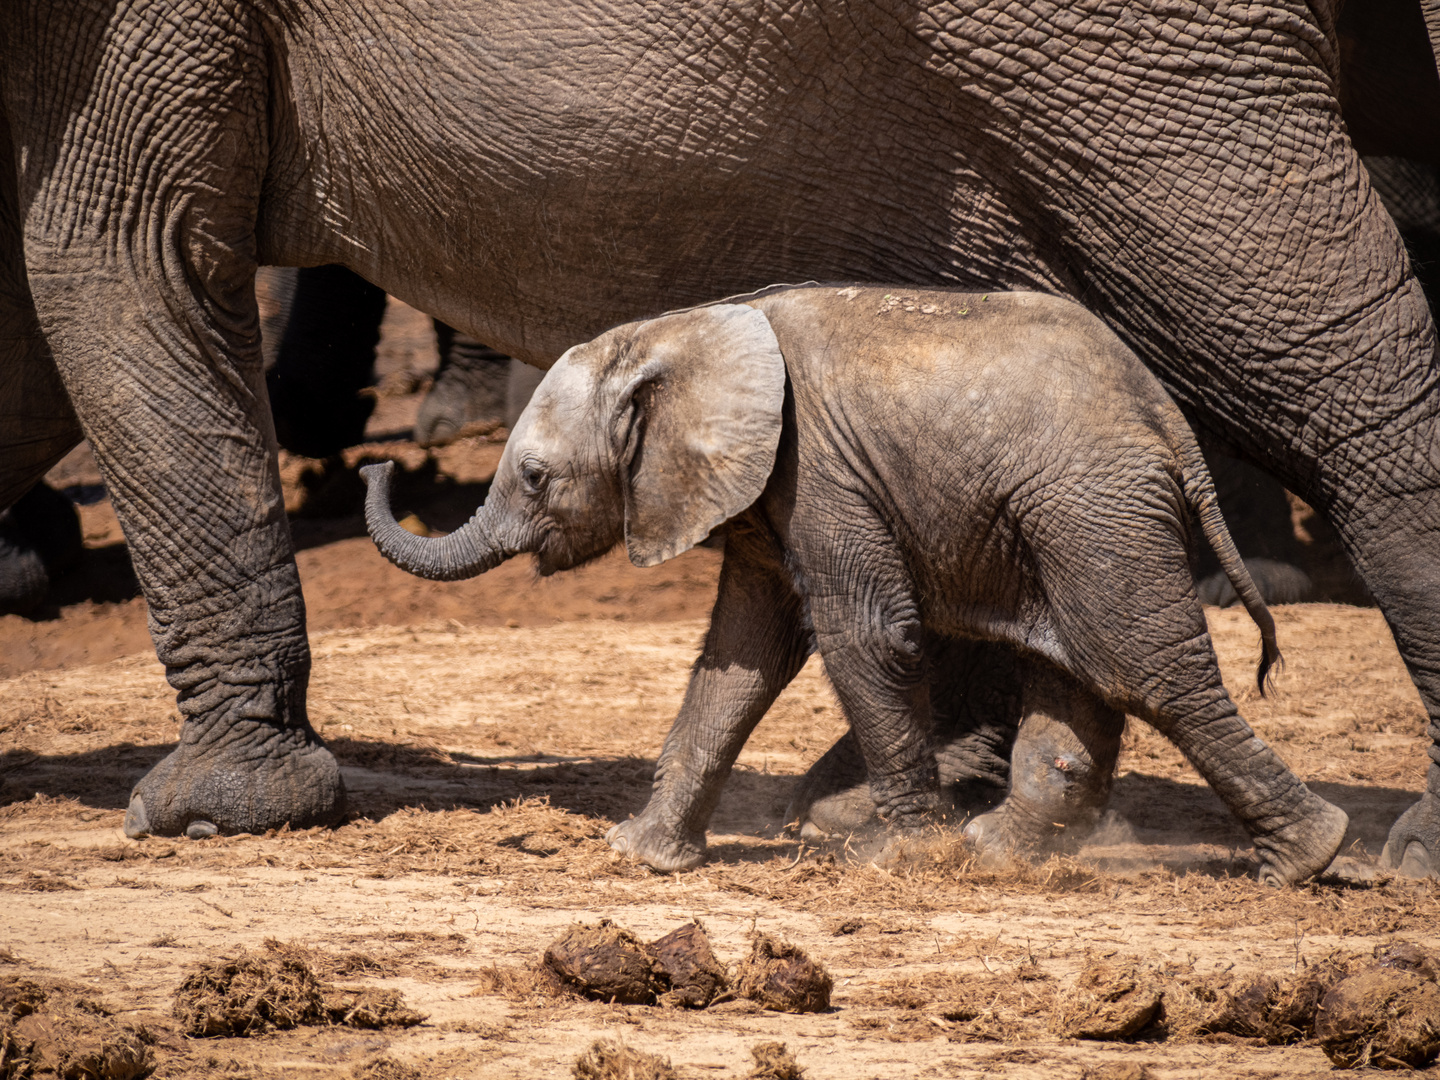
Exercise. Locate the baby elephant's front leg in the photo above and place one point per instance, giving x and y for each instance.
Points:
(1061, 770)
(758, 641)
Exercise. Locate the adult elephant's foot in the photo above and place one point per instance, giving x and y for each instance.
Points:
(658, 842)
(254, 779)
(1305, 846)
(1413, 848)
(469, 391)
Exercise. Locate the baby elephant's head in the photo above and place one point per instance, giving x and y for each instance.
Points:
(656, 431)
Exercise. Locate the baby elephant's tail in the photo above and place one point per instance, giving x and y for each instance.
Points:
(1200, 494)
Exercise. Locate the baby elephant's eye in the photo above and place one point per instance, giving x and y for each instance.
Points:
(532, 476)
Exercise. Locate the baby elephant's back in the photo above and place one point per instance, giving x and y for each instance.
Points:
(1007, 382)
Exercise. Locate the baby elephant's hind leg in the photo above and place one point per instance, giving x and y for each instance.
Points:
(1061, 770)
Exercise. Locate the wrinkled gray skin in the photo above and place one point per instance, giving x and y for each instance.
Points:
(948, 464)
(533, 181)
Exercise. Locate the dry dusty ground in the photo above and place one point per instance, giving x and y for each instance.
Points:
(485, 765)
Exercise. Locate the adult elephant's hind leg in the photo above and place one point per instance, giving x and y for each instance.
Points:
(1061, 770)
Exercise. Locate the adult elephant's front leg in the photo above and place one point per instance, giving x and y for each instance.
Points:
(181, 435)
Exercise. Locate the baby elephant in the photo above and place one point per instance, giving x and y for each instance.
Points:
(896, 466)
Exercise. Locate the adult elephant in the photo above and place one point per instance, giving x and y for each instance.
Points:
(1184, 172)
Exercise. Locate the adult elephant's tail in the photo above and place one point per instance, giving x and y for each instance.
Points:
(1199, 491)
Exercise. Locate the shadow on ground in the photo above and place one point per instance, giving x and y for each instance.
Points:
(384, 778)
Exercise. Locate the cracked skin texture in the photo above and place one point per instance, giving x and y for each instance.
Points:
(1184, 171)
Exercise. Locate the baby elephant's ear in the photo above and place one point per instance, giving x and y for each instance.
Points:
(698, 422)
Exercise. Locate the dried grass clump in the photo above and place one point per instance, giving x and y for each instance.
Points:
(276, 988)
(369, 1007)
(62, 1032)
(521, 982)
(385, 1068)
(780, 976)
(250, 994)
(773, 1061)
(610, 1060)
(1384, 1018)
(1110, 1002)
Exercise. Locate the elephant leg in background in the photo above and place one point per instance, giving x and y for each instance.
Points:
(39, 538)
(1410, 191)
(1061, 769)
(39, 531)
(757, 643)
(324, 358)
(975, 705)
(469, 392)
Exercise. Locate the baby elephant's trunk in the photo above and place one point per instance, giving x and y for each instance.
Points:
(1200, 493)
(470, 550)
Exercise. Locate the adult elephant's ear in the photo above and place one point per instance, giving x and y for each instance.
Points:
(697, 424)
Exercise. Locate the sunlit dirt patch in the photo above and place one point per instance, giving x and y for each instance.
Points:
(486, 766)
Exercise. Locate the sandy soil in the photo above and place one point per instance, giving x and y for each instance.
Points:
(491, 732)
(485, 764)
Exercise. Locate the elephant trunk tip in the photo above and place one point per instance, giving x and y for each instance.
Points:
(380, 474)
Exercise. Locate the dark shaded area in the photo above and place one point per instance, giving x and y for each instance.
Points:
(1163, 811)
(39, 539)
(1389, 88)
(326, 356)
(1159, 811)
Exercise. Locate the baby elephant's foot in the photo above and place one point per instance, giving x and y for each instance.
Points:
(658, 843)
(1414, 844)
(1305, 847)
(1003, 834)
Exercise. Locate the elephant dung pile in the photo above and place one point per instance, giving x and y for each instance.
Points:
(63, 1032)
(780, 976)
(1109, 1002)
(1381, 1011)
(1385, 1016)
(608, 1059)
(276, 988)
(609, 963)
